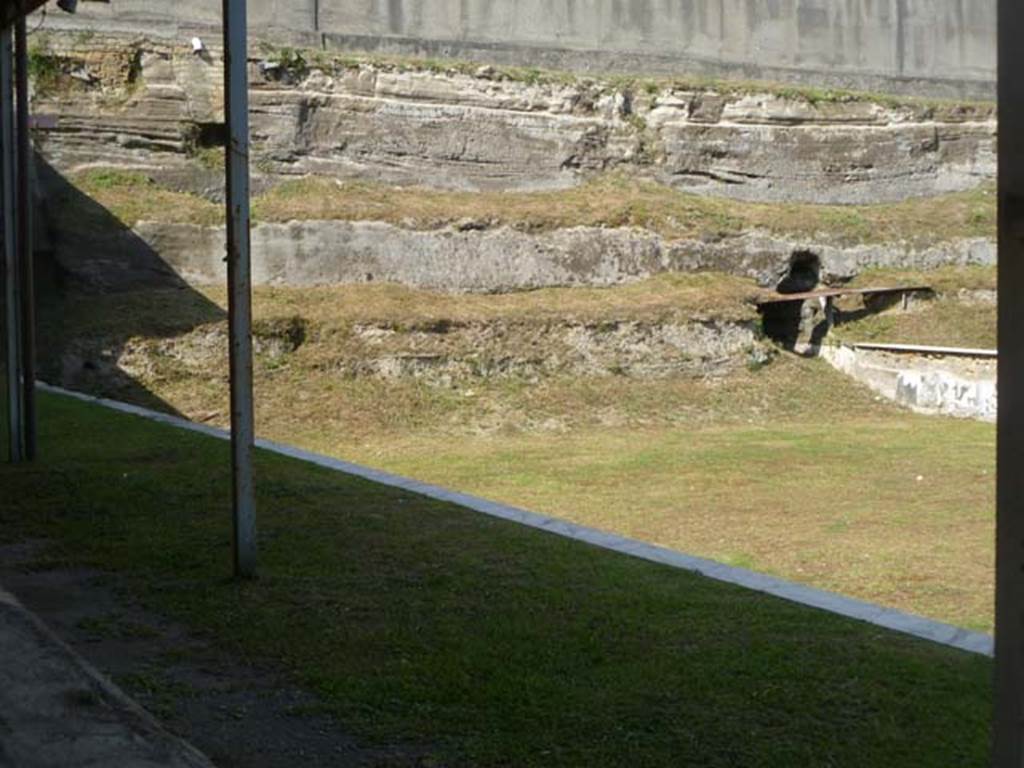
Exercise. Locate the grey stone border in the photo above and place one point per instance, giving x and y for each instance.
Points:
(145, 741)
(887, 618)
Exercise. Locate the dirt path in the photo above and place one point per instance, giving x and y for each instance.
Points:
(236, 713)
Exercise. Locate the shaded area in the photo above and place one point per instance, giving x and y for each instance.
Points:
(797, 326)
(243, 714)
(87, 259)
(802, 315)
(57, 712)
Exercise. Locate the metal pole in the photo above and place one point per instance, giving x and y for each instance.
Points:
(12, 290)
(25, 246)
(236, 111)
(1008, 719)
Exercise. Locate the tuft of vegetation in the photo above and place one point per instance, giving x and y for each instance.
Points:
(290, 63)
(211, 158)
(45, 71)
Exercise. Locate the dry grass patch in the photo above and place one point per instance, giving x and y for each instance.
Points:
(613, 200)
(131, 197)
(617, 200)
(946, 281)
(660, 298)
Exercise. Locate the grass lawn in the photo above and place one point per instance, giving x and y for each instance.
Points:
(896, 511)
(791, 468)
(494, 645)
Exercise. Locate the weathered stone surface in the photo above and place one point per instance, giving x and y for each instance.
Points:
(763, 147)
(475, 260)
(485, 131)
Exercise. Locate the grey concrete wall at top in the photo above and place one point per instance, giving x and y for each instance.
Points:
(941, 47)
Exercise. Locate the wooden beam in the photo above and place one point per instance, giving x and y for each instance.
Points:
(826, 293)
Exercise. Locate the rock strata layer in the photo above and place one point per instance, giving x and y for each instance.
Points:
(153, 103)
(478, 261)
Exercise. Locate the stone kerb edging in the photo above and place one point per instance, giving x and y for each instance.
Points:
(887, 618)
(62, 711)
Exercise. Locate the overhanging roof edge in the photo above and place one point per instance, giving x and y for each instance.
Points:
(13, 9)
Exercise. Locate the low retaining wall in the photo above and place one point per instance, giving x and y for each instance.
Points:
(964, 387)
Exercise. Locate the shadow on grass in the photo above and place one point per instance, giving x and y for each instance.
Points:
(491, 644)
(91, 265)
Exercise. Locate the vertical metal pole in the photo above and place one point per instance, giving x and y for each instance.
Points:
(12, 292)
(236, 109)
(1008, 720)
(25, 245)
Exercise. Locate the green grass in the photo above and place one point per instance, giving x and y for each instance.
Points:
(45, 70)
(722, 460)
(943, 323)
(896, 510)
(486, 643)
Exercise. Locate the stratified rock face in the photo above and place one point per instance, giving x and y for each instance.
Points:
(489, 131)
(484, 261)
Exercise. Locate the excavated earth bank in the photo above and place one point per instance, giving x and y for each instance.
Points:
(436, 354)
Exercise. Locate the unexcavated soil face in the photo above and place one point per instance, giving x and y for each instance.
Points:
(238, 712)
(445, 355)
(139, 345)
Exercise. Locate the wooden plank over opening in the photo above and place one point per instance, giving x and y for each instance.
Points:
(829, 293)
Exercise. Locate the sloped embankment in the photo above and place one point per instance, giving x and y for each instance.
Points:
(327, 344)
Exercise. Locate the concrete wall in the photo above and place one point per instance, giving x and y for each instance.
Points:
(937, 47)
(948, 386)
